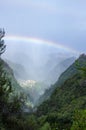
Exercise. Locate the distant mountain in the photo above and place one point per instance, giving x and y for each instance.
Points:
(69, 94)
(57, 69)
(18, 70)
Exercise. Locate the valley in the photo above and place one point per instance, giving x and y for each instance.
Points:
(45, 77)
(54, 104)
(42, 93)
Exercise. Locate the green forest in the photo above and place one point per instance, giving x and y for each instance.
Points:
(65, 109)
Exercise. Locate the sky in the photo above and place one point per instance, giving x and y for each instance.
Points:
(59, 21)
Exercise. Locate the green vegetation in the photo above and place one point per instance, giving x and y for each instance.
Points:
(68, 97)
(79, 120)
(10, 104)
(64, 110)
(2, 46)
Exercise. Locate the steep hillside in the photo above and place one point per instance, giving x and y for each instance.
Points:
(66, 98)
(69, 96)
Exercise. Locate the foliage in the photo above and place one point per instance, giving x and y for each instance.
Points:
(79, 120)
(68, 96)
(81, 69)
(21, 123)
(5, 90)
(46, 126)
(2, 46)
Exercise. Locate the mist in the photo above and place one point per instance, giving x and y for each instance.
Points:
(42, 79)
(36, 59)
(37, 66)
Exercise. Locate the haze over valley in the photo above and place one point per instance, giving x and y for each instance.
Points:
(37, 65)
(42, 65)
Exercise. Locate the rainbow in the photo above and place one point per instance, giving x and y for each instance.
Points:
(40, 41)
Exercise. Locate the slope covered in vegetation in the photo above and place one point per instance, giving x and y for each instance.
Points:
(68, 97)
